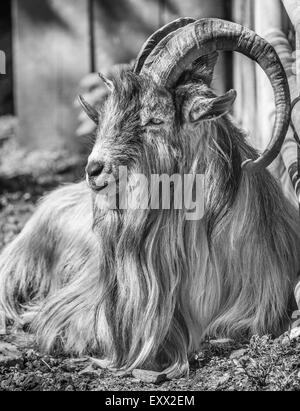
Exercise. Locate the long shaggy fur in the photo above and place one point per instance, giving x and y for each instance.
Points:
(143, 288)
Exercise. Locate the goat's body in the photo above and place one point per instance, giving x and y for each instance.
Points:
(143, 288)
(52, 273)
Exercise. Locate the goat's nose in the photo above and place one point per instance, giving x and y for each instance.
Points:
(94, 168)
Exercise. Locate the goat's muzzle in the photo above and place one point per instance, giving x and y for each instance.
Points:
(96, 179)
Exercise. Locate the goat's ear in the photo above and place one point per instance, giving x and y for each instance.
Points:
(204, 67)
(202, 70)
(205, 108)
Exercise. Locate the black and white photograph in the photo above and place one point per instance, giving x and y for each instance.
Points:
(150, 198)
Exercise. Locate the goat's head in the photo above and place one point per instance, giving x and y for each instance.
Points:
(156, 112)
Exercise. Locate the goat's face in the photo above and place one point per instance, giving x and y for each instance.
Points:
(151, 130)
(137, 130)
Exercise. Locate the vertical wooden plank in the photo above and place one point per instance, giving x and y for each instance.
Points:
(298, 60)
(245, 75)
(268, 16)
(6, 77)
(200, 9)
(289, 177)
(91, 13)
(162, 11)
(51, 55)
(121, 28)
(293, 10)
(193, 8)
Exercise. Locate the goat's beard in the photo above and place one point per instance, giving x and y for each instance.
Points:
(165, 283)
(141, 290)
(146, 280)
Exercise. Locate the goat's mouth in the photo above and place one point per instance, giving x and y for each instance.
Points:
(97, 188)
(102, 184)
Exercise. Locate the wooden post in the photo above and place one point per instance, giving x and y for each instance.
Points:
(121, 29)
(6, 83)
(293, 10)
(91, 11)
(51, 55)
(267, 17)
(289, 148)
(298, 59)
(201, 9)
(245, 108)
(194, 8)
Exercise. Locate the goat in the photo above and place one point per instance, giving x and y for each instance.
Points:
(143, 288)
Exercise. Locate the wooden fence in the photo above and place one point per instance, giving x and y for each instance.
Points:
(56, 43)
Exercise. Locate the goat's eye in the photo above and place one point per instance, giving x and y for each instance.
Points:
(155, 122)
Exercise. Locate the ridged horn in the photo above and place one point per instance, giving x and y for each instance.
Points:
(89, 110)
(156, 38)
(208, 35)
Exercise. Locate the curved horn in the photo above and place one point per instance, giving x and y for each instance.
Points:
(208, 35)
(89, 110)
(155, 39)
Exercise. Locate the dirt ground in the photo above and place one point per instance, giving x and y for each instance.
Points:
(261, 364)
